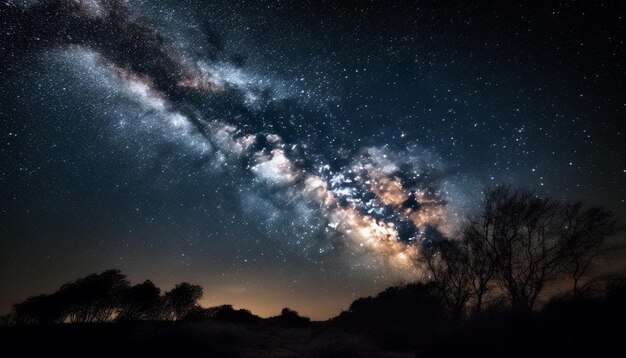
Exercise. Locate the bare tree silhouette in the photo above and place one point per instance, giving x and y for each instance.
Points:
(448, 262)
(583, 235)
(481, 266)
(517, 244)
(41, 309)
(94, 298)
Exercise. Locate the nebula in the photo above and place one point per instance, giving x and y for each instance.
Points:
(381, 201)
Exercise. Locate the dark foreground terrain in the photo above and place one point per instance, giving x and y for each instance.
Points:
(399, 322)
(201, 339)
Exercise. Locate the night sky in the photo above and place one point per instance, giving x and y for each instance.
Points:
(290, 153)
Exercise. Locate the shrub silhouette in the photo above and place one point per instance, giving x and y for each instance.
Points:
(94, 298)
(290, 318)
(182, 300)
(393, 317)
(226, 313)
(42, 309)
(141, 302)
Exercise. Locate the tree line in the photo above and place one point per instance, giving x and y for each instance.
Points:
(516, 246)
(106, 297)
(109, 297)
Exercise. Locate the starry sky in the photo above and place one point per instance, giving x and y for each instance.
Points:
(290, 153)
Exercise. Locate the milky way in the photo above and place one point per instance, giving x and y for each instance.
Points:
(216, 138)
